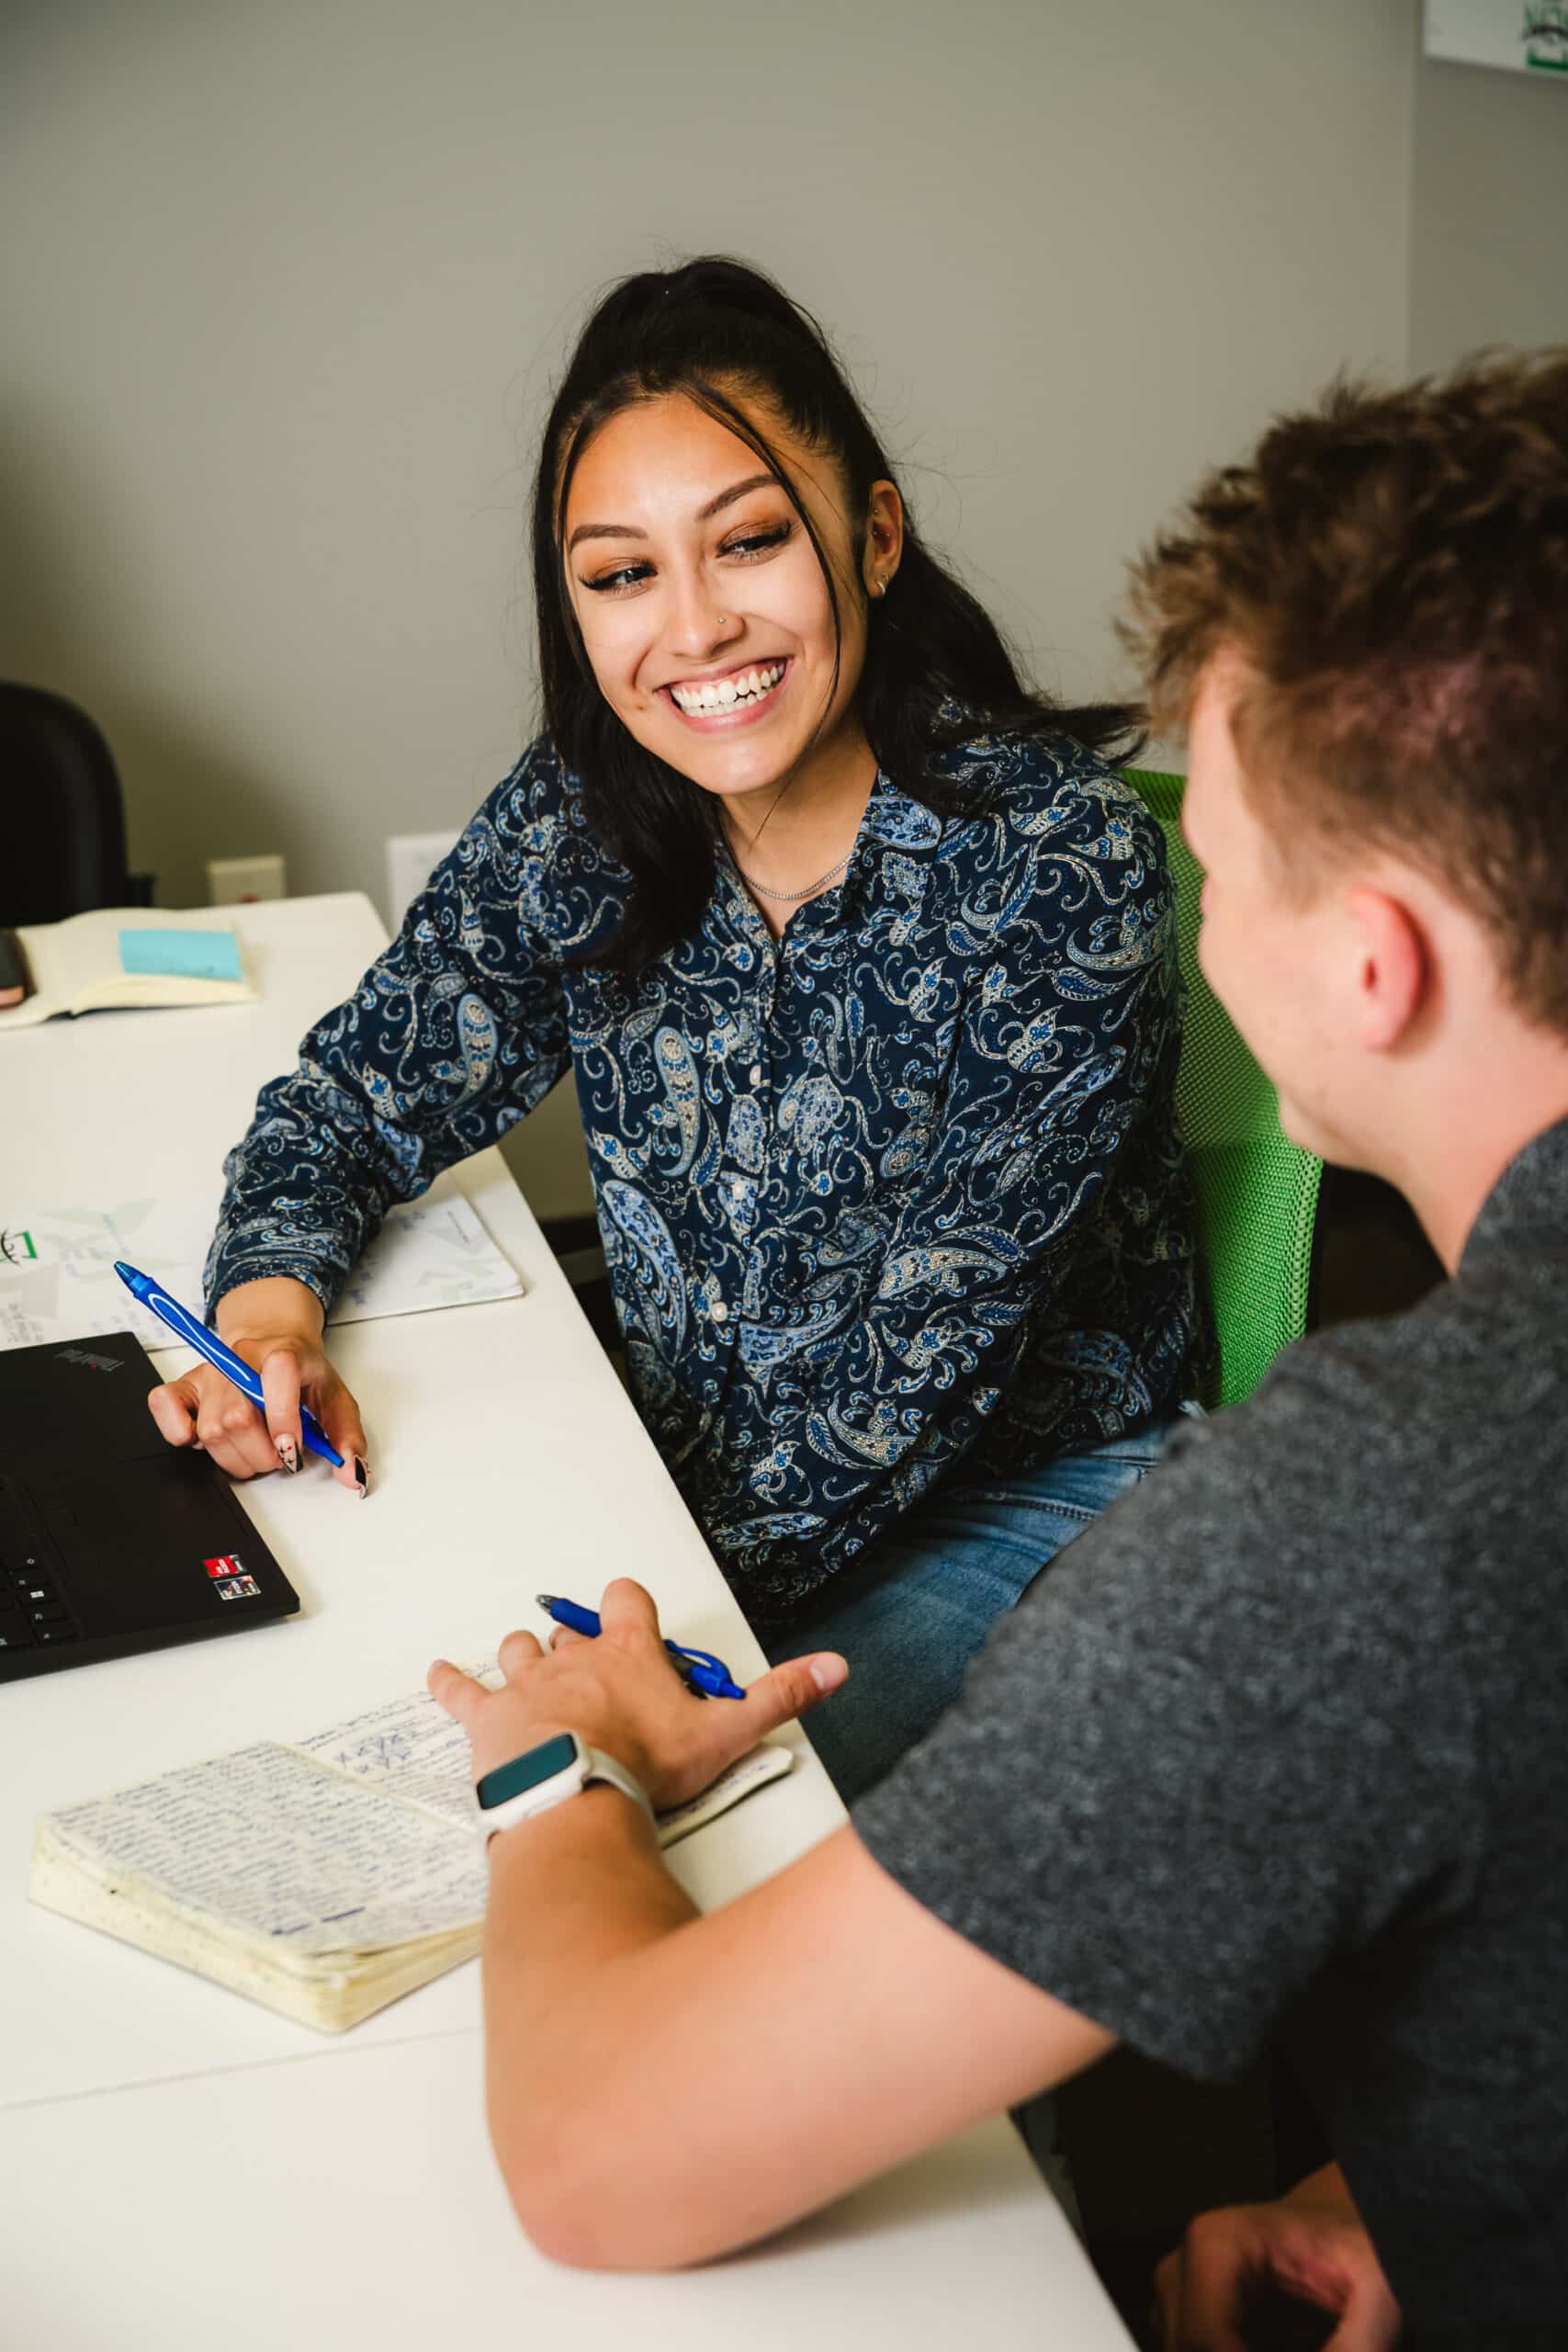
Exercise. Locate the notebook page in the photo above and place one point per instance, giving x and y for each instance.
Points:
(431, 1252)
(410, 1748)
(66, 959)
(413, 1750)
(264, 1841)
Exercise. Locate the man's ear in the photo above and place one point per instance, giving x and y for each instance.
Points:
(1394, 972)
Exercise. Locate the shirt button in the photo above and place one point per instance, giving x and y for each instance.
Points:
(720, 1312)
(756, 1073)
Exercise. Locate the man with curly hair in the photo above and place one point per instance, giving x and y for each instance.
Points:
(1279, 1750)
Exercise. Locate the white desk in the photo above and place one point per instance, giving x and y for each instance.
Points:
(239, 2177)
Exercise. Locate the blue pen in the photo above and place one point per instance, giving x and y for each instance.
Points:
(699, 1670)
(184, 1326)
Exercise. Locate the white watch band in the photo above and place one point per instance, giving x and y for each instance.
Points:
(604, 1767)
(591, 1765)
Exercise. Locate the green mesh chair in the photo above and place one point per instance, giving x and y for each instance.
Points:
(1257, 1192)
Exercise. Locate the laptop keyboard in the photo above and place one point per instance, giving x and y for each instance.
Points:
(34, 1612)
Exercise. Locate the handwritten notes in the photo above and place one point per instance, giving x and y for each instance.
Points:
(412, 1751)
(267, 1843)
(323, 1878)
(408, 1748)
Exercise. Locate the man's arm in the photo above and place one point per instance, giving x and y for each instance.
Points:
(664, 2087)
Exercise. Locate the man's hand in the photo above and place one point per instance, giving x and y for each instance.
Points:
(622, 1694)
(1312, 2244)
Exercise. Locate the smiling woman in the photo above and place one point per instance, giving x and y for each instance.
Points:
(861, 958)
(741, 703)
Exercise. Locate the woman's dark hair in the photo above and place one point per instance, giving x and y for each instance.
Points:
(936, 670)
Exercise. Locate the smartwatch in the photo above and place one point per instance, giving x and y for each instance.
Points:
(558, 1767)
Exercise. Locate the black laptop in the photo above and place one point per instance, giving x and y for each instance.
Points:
(111, 1541)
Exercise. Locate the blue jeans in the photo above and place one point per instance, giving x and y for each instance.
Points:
(911, 1617)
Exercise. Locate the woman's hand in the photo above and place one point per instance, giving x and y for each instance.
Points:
(276, 1326)
(621, 1693)
(1312, 2243)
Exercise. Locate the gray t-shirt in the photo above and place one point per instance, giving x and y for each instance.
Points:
(1280, 1748)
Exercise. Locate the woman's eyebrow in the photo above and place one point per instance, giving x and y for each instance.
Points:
(736, 489)
(705, 514)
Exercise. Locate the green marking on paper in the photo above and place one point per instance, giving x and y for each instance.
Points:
(181, 954)
(1545, 35)
(16, 1246)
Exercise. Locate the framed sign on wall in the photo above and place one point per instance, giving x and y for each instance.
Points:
(1526, 36)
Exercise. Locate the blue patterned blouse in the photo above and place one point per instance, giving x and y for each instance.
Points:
(899, 1192)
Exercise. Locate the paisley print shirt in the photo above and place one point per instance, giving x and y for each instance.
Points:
(900, 1191)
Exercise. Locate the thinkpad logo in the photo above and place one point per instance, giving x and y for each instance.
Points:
(94, 1364)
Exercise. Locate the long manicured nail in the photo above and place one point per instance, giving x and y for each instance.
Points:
(288, 1453)
(362, 1477)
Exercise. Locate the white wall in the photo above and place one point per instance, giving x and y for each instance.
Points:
(1488, 263)
(283, 286)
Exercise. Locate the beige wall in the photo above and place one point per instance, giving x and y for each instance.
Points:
(283, 286)
(1488, 260)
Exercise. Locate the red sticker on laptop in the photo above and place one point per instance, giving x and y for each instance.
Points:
(229, 1564)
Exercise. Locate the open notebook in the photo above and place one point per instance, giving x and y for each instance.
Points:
(117, 957)
(324, 1876)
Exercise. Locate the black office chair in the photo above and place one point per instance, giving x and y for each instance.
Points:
(61, 816)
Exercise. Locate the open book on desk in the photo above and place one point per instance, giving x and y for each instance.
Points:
(114, 958)
(323, 1877)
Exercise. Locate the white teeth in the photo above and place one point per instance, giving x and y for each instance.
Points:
(723, 694)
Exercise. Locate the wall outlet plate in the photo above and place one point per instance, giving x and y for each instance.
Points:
(237, 881)
(411, 858)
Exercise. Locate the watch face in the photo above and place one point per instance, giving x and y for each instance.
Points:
(527, 1771)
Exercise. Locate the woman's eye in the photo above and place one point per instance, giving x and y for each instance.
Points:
(756, 543)
(749, 546)
(612, 582)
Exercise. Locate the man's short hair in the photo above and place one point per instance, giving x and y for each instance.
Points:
(1391, 567)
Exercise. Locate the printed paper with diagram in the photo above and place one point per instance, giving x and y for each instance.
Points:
(57, 1277)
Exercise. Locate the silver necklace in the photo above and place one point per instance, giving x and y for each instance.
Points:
(751, 882)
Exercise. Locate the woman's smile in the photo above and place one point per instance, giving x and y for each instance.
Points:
(727, 699)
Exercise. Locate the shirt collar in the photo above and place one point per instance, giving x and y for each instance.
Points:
(898, 837)
(896, 819)
(896, 830)
(1529, 1204)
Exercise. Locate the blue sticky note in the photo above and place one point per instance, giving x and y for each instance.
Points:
(182, 955)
